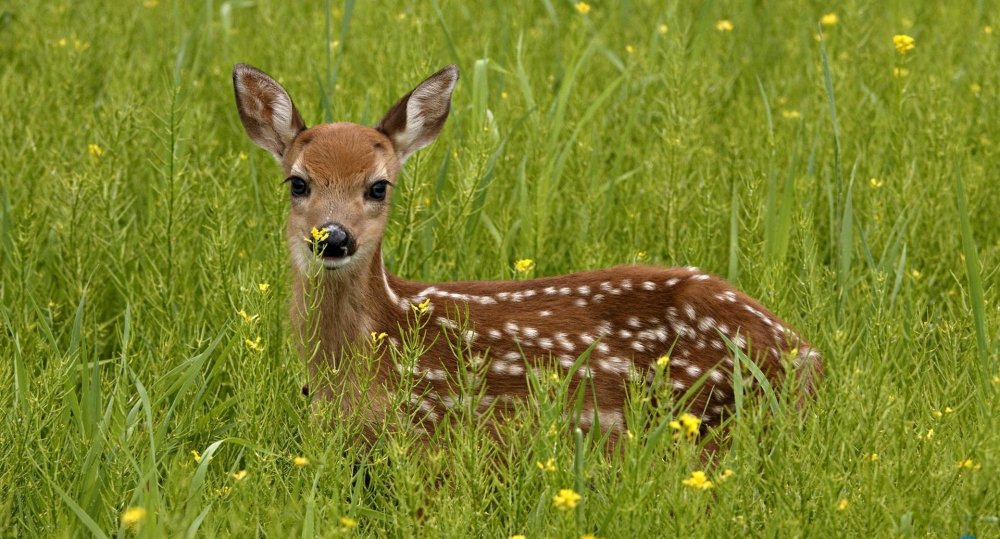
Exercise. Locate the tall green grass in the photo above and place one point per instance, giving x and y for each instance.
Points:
(143, 291)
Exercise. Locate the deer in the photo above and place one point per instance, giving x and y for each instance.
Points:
(603, 330)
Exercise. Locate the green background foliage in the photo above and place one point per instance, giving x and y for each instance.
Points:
(851, 188)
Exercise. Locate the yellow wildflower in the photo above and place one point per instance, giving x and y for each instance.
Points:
(196, 456)
(519, 536)
(829, 19)
(630, 49)
(95, 150)
(301, 462)
(547, 466)
(377, 338)
(248, 318)
(319, 234)
(698, 480)
(842, 504)
(987, 29)
(916, 275)
(423, 306)
(875, 182)
(524, 265)
(662, 29)
(900, 72)
(504, 95)
(726, 474)
(642, 255)
(996, 379)
(975, 88)
(151, 3)
(61, 42)
(348, 523)
(872, 457)
(968, 464)
(566, 499)
(588, 536)
(948, 409)
(240, 475)
(724, 25)
(243, 156)
(81, 45)
(663, 361)
(263, 287)
(255, 344)
(791, 114)
(133, 516)
(904, 43)
(686, 423)
(582, 8)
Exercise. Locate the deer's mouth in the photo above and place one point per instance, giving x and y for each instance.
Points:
(335, 262)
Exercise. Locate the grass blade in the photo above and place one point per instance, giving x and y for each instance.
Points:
(976, 296)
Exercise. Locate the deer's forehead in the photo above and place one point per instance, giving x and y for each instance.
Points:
(337, 153)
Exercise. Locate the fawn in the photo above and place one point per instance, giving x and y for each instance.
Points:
(623, 319)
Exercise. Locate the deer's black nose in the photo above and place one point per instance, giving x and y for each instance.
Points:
(338, 243)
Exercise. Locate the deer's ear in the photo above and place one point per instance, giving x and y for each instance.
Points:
(416, 120)
(268, 114)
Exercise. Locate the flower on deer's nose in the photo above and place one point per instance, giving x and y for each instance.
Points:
(319, 234)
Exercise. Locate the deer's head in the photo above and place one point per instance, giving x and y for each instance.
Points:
(340, 176)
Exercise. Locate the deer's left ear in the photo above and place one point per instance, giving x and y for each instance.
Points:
(268, 114)
(415, 121)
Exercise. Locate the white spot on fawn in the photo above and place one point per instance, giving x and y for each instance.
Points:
(544, 313)
(706, 323)
(444, 322)
(648, 285)
(564, 342)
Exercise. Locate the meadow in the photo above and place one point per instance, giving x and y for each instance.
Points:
(150, 384)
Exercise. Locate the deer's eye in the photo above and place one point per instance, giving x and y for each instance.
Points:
(377, 190)
(298, 186)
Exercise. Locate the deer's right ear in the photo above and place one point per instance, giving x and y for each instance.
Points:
(268, 114)
(416, 120)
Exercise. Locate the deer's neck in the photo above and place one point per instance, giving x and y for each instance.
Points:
(338, 309)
